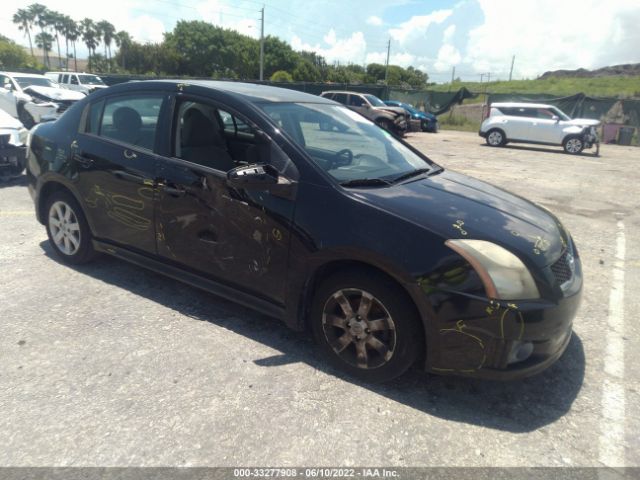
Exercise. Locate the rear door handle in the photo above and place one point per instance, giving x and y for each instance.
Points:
(84, 161)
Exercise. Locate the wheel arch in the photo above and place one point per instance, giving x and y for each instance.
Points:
(49, 188)
(414, 295)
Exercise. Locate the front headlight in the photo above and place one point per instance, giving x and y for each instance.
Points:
(503, 274)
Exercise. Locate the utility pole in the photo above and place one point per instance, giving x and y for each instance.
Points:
(513, 59)
(386, 70)
(262, 44)
(453, 73)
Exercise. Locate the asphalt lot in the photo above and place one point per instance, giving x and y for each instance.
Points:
(111, 365)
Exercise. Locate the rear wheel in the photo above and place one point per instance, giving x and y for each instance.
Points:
(573, 144)
(67, 229)
(366, 325)
(495, 138)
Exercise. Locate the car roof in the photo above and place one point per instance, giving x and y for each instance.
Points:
(19, 75)
(349, 92)
(520, 105)
(249, 91)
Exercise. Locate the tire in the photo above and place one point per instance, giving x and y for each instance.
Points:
(424, 126)
(67, 229)
(496, 138)
(343, 326)
(573, 144)
(25, 117)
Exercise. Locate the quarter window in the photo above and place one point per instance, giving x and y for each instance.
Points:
(132, 120)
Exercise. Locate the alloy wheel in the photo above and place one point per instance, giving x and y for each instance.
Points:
(65, 228)
(359, 328)
(574, 145)
(495, 138)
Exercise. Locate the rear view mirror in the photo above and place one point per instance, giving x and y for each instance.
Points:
(256, 177)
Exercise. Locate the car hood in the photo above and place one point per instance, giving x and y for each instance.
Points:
(453, 205)
(396, 110)
(55, 93)
(583, 122)
(7, 122)
(425, 115)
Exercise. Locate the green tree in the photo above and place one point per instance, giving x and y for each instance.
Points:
(281, 76)
(56, 22)
(24, 19)
(123, 42)
(107, 31)
(44, 41)
(12, 55)
(72, 33)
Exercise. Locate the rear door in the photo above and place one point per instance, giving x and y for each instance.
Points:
(236, 236)
(116, 165)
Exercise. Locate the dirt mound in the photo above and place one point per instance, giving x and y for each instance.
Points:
(627, 70)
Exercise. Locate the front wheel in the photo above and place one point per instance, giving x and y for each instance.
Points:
(67, 229)
(495, 138)
(386, 124)
(366, 325)
(573, 145)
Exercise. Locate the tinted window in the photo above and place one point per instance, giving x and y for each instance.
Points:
(356, 101)
(340, 97)
(132, 120)
(74, 80)
(65, 79)
(93, 119)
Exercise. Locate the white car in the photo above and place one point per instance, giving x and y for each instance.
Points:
(80, 82)
(34, 98)
(13, 141)
(539, 124)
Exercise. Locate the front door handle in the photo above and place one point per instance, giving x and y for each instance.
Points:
(172, 190)
(129, 155)
(82, 160)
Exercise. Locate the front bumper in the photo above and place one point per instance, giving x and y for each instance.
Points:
(482, 134)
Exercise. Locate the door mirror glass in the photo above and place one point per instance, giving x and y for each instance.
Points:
(255, 176)
(7, 86)
(555, 118)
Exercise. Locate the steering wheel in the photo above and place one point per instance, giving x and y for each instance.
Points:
(340, 159)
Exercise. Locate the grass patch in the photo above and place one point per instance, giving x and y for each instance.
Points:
(595, 87)
(458, 122)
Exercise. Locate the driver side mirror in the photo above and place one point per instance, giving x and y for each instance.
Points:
(253, 177)
(555, 118)
(7, 86)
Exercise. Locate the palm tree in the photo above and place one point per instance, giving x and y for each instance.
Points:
(24, 20)
(107, 31)
(72, 34)
(123, 41)
(39, 14)
(66, 23)
(89, 36)
(56, 21)
(44, 40)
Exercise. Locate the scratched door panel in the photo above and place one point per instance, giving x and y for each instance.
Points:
(239, 237)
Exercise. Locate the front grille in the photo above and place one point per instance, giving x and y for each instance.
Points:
(561, 269)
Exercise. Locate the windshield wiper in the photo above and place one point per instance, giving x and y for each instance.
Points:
(365, 182)
(412, 173)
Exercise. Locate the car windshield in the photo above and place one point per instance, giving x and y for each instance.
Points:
(90, 80)
(345, 144)
(560, 113)
(25, 82)
(375, 101)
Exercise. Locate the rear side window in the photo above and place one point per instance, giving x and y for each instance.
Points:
(131, 120)
(356, 101)
(65, 79)
(340, 97)
(93, 119)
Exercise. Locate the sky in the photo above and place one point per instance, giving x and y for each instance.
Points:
(473, 36)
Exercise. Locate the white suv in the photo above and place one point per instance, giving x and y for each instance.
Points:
(80, 82)
(540, 124)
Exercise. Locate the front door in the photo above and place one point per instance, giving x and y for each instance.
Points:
(239, 237)
(116, 168)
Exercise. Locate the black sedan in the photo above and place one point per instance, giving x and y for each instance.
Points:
(385, 256)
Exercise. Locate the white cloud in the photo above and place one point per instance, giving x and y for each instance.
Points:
(346, 50)
(218, 13)
(449, 33)
(418, 25)
(448, 56)
(375, 21)
(404, 59)
(549, 35)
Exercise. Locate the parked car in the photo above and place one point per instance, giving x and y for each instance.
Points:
(538, 123)
(33, 98)
(13, 141)
(80, 82)
(392, 119)
(428, 121)
(388, 258)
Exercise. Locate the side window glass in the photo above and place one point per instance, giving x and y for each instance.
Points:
(65, 79)
(227, 122)
(132, 120)
(93, 118)
(356, 101)
(341, 97)
(74, 80)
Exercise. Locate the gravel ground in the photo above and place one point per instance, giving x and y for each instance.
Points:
(111, 365)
